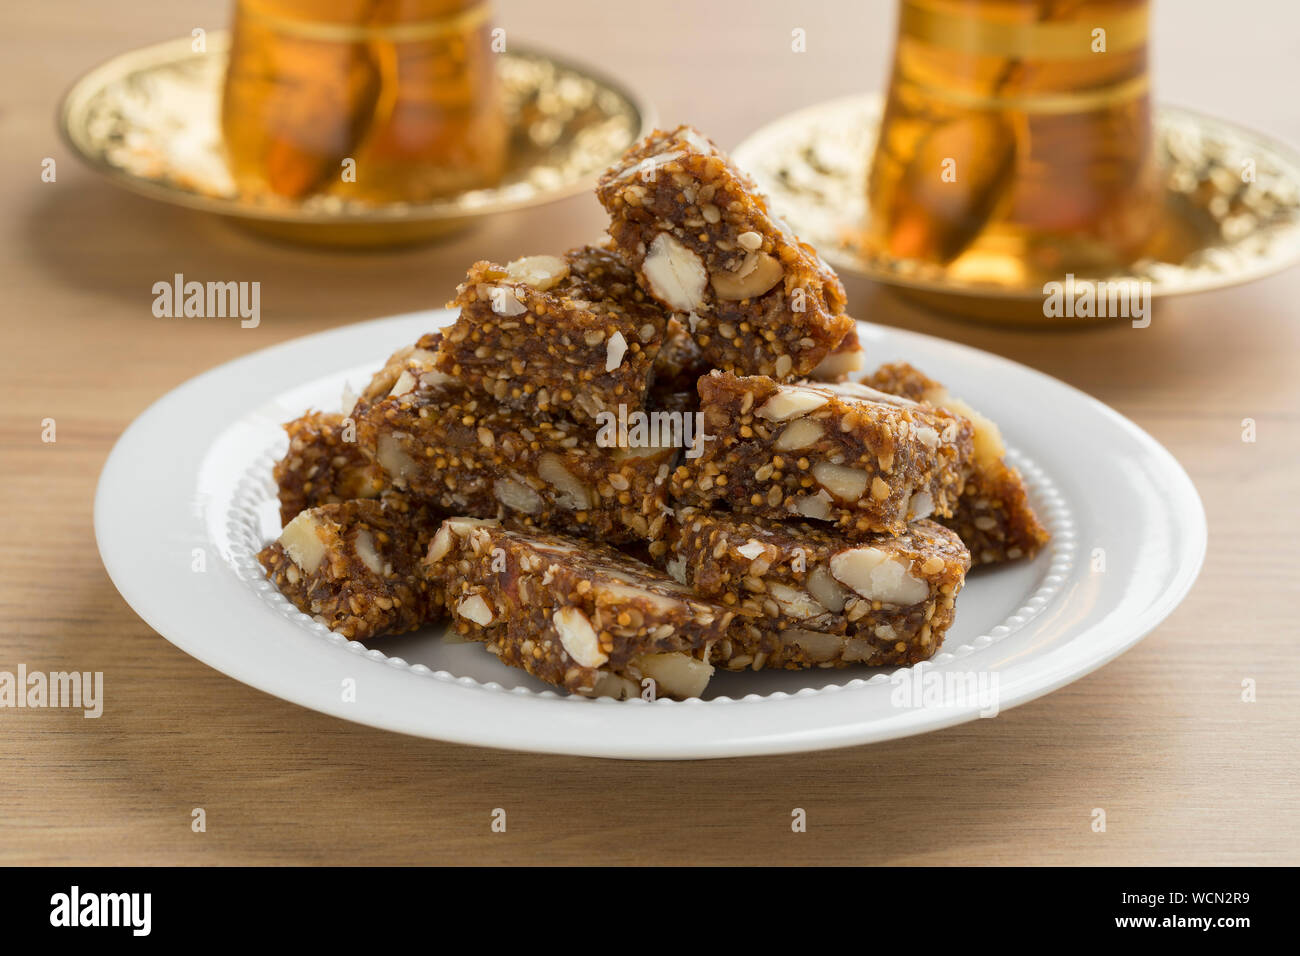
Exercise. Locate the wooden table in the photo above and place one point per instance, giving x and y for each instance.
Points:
(1187, 771)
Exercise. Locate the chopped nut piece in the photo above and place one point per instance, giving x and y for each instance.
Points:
(504, 301)
(798, 604)
(615, 351)
(393, 459)
(790, 402)
(920, 506)
(440, 544)
(614, 685)
(517, 496)
(474, 608)
(758, 272)
(578, 637)
(814, 646)
(405, 382)
(800, 433)
(846, 484)
(823, 586)
(816, 506)
(878, 576)
(574, 494)
(674, 274)
(303, 541)
(540, 272)
(365, 548)
(677, 675)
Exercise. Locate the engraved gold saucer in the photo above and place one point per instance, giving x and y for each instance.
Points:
(1220, 230)
(150, 121)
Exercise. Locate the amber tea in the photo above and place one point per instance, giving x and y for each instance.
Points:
(1016, 140)
(375, 100)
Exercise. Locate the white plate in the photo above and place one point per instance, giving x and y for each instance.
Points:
(186, 500)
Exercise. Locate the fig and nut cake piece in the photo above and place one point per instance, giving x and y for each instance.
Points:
(572, 335)
(462, 451)
(807, 597)
(355, 566)
(841, 453)
(323, 465)
(703, 242)
(994, 516)
(576, 614)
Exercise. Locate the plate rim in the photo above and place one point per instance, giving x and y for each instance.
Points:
(1067, 663)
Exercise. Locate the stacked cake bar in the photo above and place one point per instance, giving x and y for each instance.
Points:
(628, 465)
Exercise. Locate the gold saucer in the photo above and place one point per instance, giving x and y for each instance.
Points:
(1221, 230)
(150, 121)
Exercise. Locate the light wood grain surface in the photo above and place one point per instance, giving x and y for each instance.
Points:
(1160, 738)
